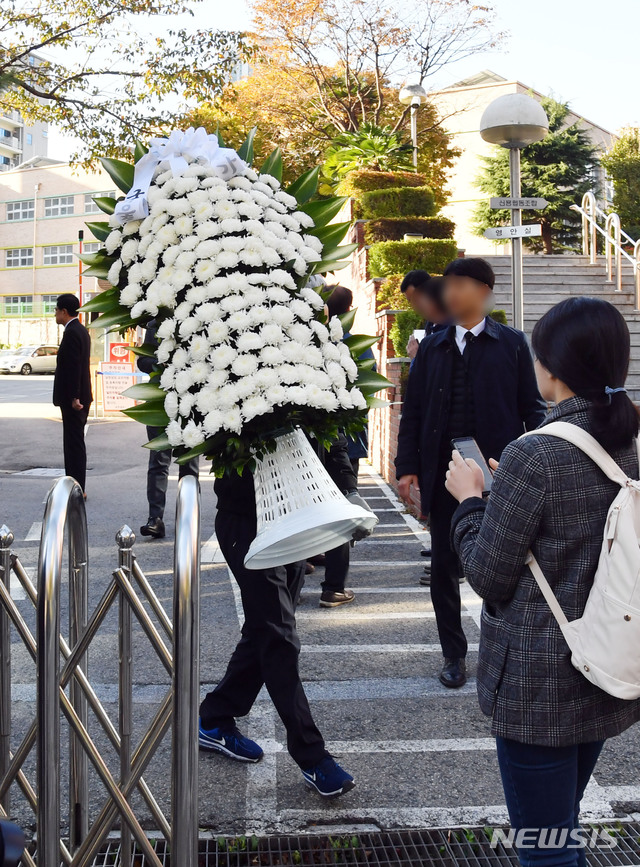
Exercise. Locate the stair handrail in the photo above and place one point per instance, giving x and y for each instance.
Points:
(615, 239)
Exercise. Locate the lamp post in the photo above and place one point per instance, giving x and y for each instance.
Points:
(414, 95)
(514, 121)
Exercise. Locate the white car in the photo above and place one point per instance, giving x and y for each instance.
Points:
(30, 359)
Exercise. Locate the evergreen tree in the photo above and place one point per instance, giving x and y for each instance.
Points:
(559, 169)
(622, 163)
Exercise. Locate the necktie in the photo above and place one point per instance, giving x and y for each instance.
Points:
(469, 338)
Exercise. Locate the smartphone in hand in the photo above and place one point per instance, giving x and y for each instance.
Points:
(469, 449)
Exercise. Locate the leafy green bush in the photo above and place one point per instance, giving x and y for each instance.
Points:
(398, 257)
(499, 316)
(397, 202)
(364, 181)
(403, 327)
(394, 228)
(389, 296)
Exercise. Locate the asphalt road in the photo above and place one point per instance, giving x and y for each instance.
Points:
(36, 388)
(422, 755)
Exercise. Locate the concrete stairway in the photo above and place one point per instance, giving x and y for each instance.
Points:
(550, 279)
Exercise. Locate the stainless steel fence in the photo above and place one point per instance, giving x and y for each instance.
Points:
(177, 647)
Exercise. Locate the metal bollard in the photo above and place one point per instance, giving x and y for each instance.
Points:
(6, 541)
(64, 506)
(186, 675)
(125, 539)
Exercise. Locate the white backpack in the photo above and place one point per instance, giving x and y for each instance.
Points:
(605, 641)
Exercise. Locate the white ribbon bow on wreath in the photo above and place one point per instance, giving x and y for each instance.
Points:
(196, 144)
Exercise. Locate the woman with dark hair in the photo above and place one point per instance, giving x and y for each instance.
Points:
(548, 496)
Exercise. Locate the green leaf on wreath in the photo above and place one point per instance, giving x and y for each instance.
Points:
(305, 187)
(347, 319)
(100, 230)
(371, 379)
(145, 391)
(99, 271)
(366, 363)
(145, 350)
(106, 204)
(151, 413)
(158, 444)
(332, 234)
(99, 258)
(195, 452)
(121, 173)
(140, 150)
(377, 403)
(273, 165)
(324, 211)
(245, 151)
(103, 302)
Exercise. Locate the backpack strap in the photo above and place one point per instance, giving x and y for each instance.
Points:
(588, 444)
(545, 589)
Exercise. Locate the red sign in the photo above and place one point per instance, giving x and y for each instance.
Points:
(119, 353)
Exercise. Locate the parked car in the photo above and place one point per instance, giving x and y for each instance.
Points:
(30, 359)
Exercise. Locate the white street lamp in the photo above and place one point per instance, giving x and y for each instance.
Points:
(414, 95)
(514, 121)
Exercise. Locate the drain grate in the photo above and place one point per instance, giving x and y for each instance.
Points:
(429, 848)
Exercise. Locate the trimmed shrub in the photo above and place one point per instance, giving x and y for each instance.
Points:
(394, 228)
(499, 316)
(397, 202)
(398, 257)
(405, 324)
(364, 180)
(389, 296)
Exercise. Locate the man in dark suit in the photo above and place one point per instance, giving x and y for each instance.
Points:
(474, 378)
(72, 386)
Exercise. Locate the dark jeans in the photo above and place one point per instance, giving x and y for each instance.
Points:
(73, 444)
(445, 575)
(336, 568)
(158, 475)
(543, 787)
(269, 648)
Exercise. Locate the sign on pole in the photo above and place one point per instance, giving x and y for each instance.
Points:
(535, 204)
(116, 377)
(504, 233)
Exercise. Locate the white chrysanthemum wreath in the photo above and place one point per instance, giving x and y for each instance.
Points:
(220, 257)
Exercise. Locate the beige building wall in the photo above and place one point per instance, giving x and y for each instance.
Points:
(42, 209)
(461, 108)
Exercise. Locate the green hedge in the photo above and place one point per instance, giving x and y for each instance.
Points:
(389, 296)
(398, 257)
(365, 180)
(397, 202)
(394, 228)
(403, 327)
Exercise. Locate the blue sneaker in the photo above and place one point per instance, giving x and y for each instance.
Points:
(329, 779)
(230, 743)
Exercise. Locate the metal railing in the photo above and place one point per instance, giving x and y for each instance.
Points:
(616, 242)
(65, 510)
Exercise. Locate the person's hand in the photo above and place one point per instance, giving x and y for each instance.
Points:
(493, 464)
(412, 347)
(404, 487)
(359, 533)
(464, 478)
(75, 404)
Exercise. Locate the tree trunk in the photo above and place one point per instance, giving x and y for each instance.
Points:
(547, 238)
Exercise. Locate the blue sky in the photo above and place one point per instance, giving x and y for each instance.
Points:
(581, 51)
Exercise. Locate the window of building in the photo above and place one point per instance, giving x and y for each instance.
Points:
(20, 210)
(61, 254)
(58, 206)
(90, 206)
(44, 133)
(20, 257)
(91, 247)
(49, 303)
(18, 305)
(5, 161)
(29, 138)
(32, 60)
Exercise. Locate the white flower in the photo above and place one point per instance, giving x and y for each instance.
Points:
(129, 250)
(131, 227)
(148, 269)
(255, 406)
(344, 398)
(230, 225)
(287, 200)
(228, 395)
(206, 269)
(358, 398)
(192, 435)
(300, 333)
(218, 332)
(246, 386)
(232, 303)
(226, 260)
(289, 373)
(199, 347)
(278, 295)
(300, 266)
(189, 243)
(335, 329)
(253, 253)
(174, 433)
(196, 294)
(266, 377)
(313, 356)
(293, 352)
(184, 380)
(177, 207)
(313, 242)
(198, 196)
(164, 352)
(159, 222)
(337, 374)
(180, 358)
(180, 278)
(216, 379)
(188, 327)
(239, 183)
(183, 310)
(272, 355)
(184, 225)
(187, 402)
(296, 394)
(186, 185)
(208, 312)
(225, 209)
(167, 377)
(167, 295)
(208, 230)
(114, 222)
(239, 320)
(167, 328)
(249, 342)
(271, 333)
(223, 356)
(166, 235)
(144, 245)
(301, 309)
(186, 259)
(254, 296)
(232, 421)
(207, 249)
(245, 365)
(237, 282)
(114, 272)
(304, 219)
(331, 352)
(284, 279)
(171, 404)
(273, 183)
(130, 294)
(270, 257)
(281, 315)
(273, 225)
(213, 422)
(170, 255)
(114, 239)
(250, 209)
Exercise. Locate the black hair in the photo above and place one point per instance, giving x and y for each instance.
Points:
(434, 289)
(69, 302)
(585, 343)
(339, 301)
(417, 279)
(474, 267)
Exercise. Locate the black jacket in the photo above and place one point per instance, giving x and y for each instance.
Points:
(505, 394)
(73, 376)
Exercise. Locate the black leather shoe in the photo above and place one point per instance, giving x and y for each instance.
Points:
(454, 673)
(154, 528)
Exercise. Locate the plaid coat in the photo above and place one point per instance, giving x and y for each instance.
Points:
(550, 497)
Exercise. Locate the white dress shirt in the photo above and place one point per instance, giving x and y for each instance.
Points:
(462, 332)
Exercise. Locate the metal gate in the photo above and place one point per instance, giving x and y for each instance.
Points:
(63, 685)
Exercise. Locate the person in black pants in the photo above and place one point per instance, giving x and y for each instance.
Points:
(72, 386)
(267, 653)
(159, 462)
(474, 378)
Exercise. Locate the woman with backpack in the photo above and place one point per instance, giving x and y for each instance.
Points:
(550, 721)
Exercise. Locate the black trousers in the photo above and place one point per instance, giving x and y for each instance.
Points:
(445, 574)
(336, 568)
(73, 444)
(158, 475)
(269, 648)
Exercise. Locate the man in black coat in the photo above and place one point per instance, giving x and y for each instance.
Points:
(472, 379)
(72, 386)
